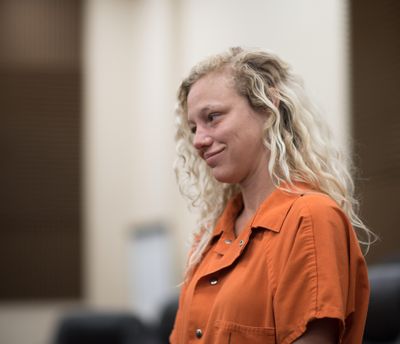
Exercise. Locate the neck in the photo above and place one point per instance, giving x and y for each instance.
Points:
(255, 189)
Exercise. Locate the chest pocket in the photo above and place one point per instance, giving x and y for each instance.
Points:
(228, 332)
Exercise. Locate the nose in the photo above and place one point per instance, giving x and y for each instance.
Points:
(201, 139)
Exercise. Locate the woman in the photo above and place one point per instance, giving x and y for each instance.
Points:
(276, 259)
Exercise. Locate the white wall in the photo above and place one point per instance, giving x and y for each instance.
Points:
(136, 54)
(311, 35)
(128, 136)
(137, 51)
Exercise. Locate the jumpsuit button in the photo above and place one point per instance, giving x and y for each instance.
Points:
(199, 333)
(213, 281)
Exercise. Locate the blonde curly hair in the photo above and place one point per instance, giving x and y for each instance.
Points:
(300, 144)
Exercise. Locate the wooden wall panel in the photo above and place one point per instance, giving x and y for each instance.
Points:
(40, 114)
(375, 29)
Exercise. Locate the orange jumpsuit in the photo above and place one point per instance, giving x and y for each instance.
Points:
(298, 259)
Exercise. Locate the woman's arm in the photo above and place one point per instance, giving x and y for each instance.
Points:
(320, 331)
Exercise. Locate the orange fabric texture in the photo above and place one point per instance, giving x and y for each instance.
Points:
(298, 259)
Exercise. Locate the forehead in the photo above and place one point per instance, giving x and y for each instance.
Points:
(211, 89)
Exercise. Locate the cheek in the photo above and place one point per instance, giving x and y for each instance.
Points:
(247, 142)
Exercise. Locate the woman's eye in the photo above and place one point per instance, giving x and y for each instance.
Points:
(212, 116)
(193, 130)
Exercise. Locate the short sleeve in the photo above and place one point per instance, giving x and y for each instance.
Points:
(314, 278)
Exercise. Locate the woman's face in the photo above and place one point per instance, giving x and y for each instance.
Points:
(227, 132)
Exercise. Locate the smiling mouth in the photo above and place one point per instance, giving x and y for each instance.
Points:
(209, 155)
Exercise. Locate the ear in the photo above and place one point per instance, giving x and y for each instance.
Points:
(273, 94)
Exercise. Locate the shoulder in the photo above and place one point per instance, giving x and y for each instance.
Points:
(319, 208)
(315, 201)
(316, 219)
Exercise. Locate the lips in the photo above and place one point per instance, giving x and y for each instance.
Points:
(208, 155)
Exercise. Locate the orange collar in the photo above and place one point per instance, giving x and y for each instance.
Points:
(269, 215)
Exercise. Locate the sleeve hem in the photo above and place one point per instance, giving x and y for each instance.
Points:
(301, 329)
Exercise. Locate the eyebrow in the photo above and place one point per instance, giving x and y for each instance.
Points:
(203, 110)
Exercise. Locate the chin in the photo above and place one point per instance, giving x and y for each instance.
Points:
(224, 176)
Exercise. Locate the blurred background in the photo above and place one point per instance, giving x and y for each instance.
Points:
(90, 214)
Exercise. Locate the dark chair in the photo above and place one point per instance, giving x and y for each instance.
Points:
(167, 320)
(96, 327)
(102, 328)
(383, 320)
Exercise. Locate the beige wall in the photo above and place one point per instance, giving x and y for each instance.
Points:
(132, 75)
(128, 136)
(135, 54)
(311, 35)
